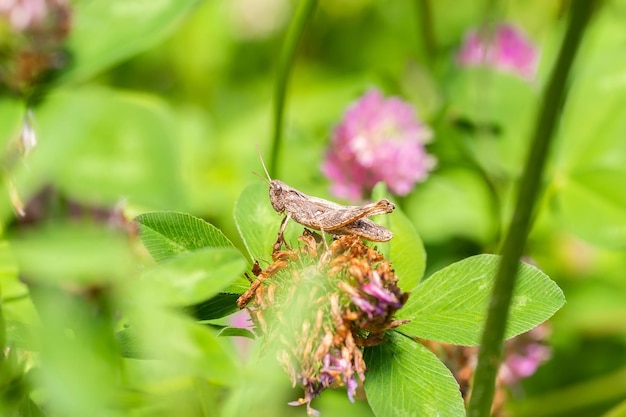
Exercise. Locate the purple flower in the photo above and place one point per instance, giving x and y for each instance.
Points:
(507, 49)
(518, 366)
(378, 140)
(366, 306)
(373, 299)
(351, 385)
(382, 295)
(335, 368)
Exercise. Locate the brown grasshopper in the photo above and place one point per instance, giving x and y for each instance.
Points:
(326, 216)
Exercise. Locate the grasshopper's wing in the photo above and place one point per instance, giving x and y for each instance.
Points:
(343, 216)
(366, 229)
(321, 214)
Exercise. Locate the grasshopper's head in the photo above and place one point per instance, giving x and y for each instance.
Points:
(386, 205)
(278, 195)
(278, 189)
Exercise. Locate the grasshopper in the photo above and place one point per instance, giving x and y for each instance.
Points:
(326, 216)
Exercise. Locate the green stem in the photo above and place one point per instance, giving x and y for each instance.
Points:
(491, 344)
(294, 34)
(429, 41)
(3, 334)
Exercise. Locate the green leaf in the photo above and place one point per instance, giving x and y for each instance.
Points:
(219, 306)
(29, 408)
(121, 146)
(186, 348)
(73, 253)
(618, 410)
(22, 336)
(196, 276)
(19, 314)
(405, 250)
(167, 234)
(590, 206)
(107, 32)
(591, 151)
(11, 112)
(236, 331)
(81, 356)
(591, 173)
(405, 379)
(451, 305)
(258, 223)
(129, 346)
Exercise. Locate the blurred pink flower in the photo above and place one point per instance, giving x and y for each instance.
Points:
(378, 140)
(241, 319)
(29, 14)
(507, 49)
(521, 365)
(524, 354)
(32, 42)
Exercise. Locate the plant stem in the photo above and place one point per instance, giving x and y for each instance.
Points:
(492, 340)
(294, 34)
(428, 34)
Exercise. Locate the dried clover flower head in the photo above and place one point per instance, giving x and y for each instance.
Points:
(317, 308)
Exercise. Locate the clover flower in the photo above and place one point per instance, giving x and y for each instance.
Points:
(318, 307)
(507, 49)
(523, 355)
(23, 14)
(33, 32)
(378, 140)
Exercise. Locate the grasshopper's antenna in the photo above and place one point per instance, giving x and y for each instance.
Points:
(262, 177)
(263, 163)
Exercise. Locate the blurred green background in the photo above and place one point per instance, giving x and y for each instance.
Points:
(162, 108)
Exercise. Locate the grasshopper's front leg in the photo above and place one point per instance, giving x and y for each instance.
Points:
(280, 239)
(324, 239)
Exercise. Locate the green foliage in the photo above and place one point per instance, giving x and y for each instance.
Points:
(96, 162)
(73, 254)
(256, 220)
(131, 157)
(451, 305)
(10, 113)
(406, 249)
(191, 278)
(93, 44)
(406, 379)
(167, 234)
(454, 203)
(591, 154)
(159, 109)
